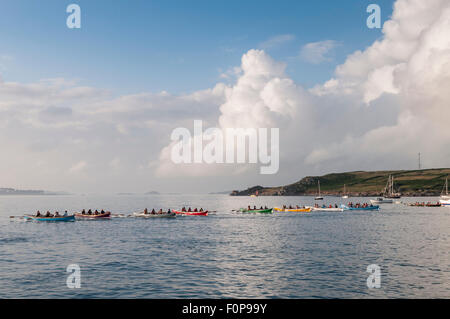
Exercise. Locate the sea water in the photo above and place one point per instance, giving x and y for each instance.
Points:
(226, 254)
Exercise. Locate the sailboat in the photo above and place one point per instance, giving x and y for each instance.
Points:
(381, 200)
(445, 198)
(319, 197)
(345, 193)
(389, 190)
(388, 193)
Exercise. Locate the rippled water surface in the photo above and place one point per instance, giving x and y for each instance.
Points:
(224, 255)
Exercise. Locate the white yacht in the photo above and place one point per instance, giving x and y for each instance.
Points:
(389, 189)
(319, 197)
(345, 193)
(445, 198)
(381, 200)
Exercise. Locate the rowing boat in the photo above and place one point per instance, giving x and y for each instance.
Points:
(87, 216)
(375, 207)
(50, 219)
(150, 215)
(205, 213)
(293, 210)
(381, 200)
(327, 209)
(261, 211)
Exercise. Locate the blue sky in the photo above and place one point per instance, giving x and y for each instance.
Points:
(103, 122)
(177, 46)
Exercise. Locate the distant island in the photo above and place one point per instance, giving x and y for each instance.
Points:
(132, 194)
(12, 191)
(426, 182)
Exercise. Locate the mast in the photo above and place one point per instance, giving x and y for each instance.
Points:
(392, 185)
(318, 182)
(387, 188)
(445, 189)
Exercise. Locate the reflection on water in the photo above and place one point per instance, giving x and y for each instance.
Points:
(227, 254)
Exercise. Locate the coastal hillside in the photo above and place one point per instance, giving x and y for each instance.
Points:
(12, 191)
(427, 182)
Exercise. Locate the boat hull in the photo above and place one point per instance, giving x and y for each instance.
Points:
(292, 210)
(327, 209)
(381, 201)
(191, 213)
(376, 207)
(165, 215)
(101, 216)
(260, 211)
(51, 219)
(445, 202)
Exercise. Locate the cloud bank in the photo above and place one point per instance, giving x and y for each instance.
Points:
(383, 106)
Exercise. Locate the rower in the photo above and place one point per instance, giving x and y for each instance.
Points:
(65, 213)
(83, 212)
(145, 211)
(38, 214)
(57, 214)
(189, 210)
(160, 211)
(183, 209)
(89, 212)
(195, 210)
(201, 209)
(153, 211)
(96, 212)
(48, 214)
(254, 207)
(249, 208)
(170, 212)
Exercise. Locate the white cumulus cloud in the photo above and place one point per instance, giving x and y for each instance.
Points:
(318, 52)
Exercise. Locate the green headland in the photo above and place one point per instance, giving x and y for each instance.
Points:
(426, 182)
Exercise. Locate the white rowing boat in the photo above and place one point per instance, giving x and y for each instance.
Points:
(149, 215)
(326, 209)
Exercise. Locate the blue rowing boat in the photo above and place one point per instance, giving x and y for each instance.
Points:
(375, 207)
(50, 219)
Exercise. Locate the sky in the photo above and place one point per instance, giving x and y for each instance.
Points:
(174, 46)
(91, 110)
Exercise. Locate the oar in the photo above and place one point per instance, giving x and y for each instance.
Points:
(16, 217)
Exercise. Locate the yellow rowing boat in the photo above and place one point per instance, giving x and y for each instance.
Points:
(292, 210)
